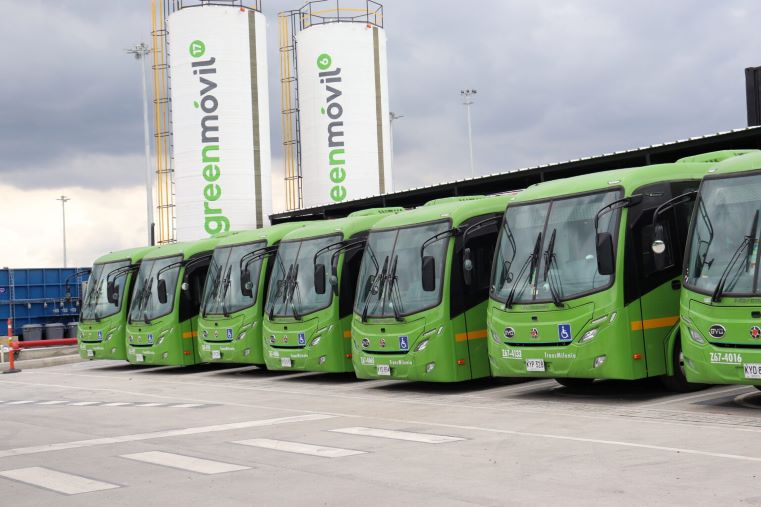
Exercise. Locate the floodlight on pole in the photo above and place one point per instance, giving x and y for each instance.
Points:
(64, 200)
(467, 101)
(140, 51)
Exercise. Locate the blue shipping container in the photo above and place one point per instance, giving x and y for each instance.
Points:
(38, 296)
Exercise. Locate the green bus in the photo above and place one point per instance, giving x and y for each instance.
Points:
(232, 306)
(163, 317)
(721, 296)
(420, 309)
(103, 317)
(307, 321)
(576, 292)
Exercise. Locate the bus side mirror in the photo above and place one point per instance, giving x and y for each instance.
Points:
(429, 273)
(467, 267)
(659, 247)
(246, 287)
(319, 278)
(161, 290)
(112, 292)
(605, 258)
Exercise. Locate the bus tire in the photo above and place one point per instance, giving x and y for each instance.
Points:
(575, 383)
(678, 381)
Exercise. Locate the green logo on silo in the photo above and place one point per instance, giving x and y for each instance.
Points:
(323, 61)
(197, 48)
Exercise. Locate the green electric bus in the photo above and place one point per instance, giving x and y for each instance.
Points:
(420, 309)
(163, 317)
(103, 318)
(230, 320)
(576, 292)
(721, 298)
(307, 321)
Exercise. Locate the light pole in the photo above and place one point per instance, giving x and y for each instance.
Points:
(393, 116)
(467, 101)
(140, 51)
(63, 200)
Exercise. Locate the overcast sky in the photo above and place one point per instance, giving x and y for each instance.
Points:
(556, 80)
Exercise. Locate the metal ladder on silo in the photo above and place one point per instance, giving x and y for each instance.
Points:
(289, 108)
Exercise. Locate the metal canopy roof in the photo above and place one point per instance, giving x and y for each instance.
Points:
(746, 138)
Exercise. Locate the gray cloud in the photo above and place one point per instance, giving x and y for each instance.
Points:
(555, 80)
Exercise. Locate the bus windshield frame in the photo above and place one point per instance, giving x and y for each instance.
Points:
(377, 296)
(561, 231)
(222, 293)
(95, 305)
(725, 212)
(145, 305)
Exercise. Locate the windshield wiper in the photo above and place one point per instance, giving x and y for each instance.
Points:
(530, 261)
(375, 287)
(223, 297)
(393, 290)
(146, 297)
(508, 263)
(294, 287)
(736, 256)
(212, 290)
(549, 259)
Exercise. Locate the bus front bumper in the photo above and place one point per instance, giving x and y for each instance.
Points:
(709, 364)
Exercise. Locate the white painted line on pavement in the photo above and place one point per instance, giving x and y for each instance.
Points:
(20, 451)
(299, 448)
(398, 435)
(168, 459)
(117, 404)
(54, 480)
(54, 402)
(83, 403)
(681, 397)
(186, 405)
(150, 404)
(21, 402)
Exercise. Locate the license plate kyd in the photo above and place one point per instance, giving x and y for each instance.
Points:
(384, 369)
(752, 370)
(216, 354)
(139, 358)
(90, 353)
(534, 364)
(285, 362)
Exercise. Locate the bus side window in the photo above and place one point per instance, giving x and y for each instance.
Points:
(190, 300)
(349, 273)
(482, 244)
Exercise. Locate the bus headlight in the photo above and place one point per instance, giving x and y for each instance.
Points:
(241, 335)
(421, 346)
(109, 336)
(588, 335)
(696, 337)
(495, 337)
(315, 340)
(161, 340)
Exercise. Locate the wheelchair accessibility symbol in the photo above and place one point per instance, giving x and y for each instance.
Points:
(302, 339)
(564, 332)
(404, 343)
(229, 333)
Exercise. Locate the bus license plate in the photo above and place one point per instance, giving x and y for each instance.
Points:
(285, 362)
(215, 354)
(139, 358)
(384, 369)
(90, 353)
(752, 370)
(534, 364)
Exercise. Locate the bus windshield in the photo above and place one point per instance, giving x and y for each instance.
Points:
(390, 278)
(549, 246)
(291, 292)
(723, 245)
(145, 300)
(95, 304)
(222, 292)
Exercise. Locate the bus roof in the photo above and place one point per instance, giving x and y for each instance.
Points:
(271, 234)
(187, 248)
(131, 254)
(349, 226)
(629, 179)
(457, 209)
(749, 161)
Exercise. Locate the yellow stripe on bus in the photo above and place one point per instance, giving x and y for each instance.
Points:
(473, 335)
(347, 333)
(190, 334)
(639, 325)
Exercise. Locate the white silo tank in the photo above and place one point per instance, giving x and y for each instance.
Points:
(343, 112)
(220, 119)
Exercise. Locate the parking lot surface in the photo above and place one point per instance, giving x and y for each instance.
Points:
(107, 433)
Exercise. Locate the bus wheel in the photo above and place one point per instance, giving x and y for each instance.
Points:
(575, 383)
(678, 381)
